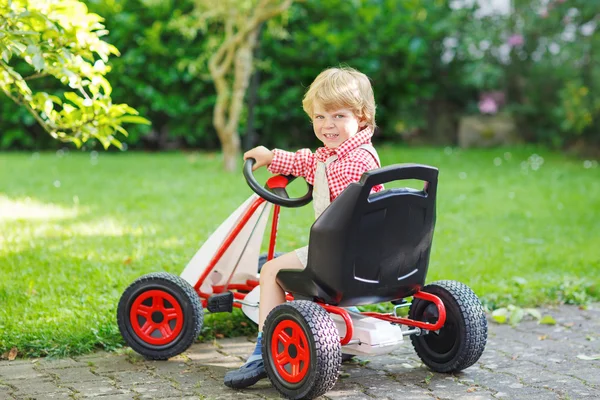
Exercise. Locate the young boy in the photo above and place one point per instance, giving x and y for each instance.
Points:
(341, 105)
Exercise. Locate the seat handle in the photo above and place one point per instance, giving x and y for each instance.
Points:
(399, 172)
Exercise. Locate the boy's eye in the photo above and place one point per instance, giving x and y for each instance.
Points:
(318, 117)
(340, 116)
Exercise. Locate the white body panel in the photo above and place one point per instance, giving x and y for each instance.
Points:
(252, 311)
(245, 247)
(374, 335)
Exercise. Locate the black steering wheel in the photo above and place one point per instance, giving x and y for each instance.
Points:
(274, 191)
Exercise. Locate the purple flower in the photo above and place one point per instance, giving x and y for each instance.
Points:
(515, 40)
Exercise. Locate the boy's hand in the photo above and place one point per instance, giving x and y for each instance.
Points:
(261, 154)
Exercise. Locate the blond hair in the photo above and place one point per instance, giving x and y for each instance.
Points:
(343, 87)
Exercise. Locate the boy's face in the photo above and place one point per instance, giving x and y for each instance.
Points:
(334, 127)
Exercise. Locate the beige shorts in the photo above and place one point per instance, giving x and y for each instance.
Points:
(302, 254)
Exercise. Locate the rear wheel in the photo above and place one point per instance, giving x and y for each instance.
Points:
(302, 350)
(461, 341)
(159, 315)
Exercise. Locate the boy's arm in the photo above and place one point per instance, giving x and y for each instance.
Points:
(299, 163)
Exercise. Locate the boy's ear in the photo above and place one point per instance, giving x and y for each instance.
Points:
(362, 121)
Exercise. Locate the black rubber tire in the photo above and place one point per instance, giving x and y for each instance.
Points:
(323, 344)
(461, 341)
(191, 309)
(263, 259)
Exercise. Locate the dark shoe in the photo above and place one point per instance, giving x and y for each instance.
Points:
(247, 375)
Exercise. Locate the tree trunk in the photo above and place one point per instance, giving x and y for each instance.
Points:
(250, 139)
(230, 142)
(231, 68)
(228, 134)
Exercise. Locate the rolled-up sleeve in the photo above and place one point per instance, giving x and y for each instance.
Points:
(300, 163)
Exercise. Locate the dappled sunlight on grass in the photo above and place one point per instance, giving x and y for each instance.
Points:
(31, 209)
(107, 226)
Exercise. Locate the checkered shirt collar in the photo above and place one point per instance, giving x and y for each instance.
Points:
(362, 137)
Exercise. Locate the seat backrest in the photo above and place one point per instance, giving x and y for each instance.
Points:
(368, 248)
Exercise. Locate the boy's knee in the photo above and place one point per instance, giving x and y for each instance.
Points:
(268, 272)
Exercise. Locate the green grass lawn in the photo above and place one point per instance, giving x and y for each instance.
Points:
(77, 228)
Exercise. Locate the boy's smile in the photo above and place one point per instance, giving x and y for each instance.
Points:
(334, 127)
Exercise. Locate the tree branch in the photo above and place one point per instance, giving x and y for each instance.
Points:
(36, 76)
(22, 102)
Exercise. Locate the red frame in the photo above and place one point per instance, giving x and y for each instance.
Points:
(278, 181)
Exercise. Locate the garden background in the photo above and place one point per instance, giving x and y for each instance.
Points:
(502, 96)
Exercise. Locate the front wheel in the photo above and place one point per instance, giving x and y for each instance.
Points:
(302, 350)
(461, 341)
(160, 315)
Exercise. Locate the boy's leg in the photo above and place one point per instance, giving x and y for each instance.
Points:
(271, 295)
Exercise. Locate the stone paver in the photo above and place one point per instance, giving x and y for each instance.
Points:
(530, 361)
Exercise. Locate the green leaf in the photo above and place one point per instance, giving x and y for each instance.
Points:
(73, 98)
(516, 316)
(55, 99)
(134, 119)
(547, 320)
(22, 33)
(38, 62)
(500, 315)
(119, 128)
(19, 46)
(520, 281)
(68, 109)
(588, 358)
(104, 141)
(76, 141)
(116, 143)
(48, 106)
(534, 313)
(6, 55)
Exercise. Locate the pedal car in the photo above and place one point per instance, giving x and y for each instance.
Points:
(364, 249)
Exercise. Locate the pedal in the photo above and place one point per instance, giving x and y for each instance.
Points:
(222, 302)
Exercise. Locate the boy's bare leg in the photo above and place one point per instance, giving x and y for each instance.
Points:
(271, 294)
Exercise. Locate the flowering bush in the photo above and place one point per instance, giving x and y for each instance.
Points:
(540, 58)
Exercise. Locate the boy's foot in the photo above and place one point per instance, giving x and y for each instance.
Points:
(247, 375)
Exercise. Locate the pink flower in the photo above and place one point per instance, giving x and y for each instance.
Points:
(488, 106)
(515, 40)
(490, 102)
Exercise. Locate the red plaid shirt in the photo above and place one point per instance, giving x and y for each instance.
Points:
(350, 165)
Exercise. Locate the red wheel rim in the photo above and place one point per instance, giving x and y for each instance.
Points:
(290, 351)
(156, 317)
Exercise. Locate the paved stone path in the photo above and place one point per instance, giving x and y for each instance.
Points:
(528, 362)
